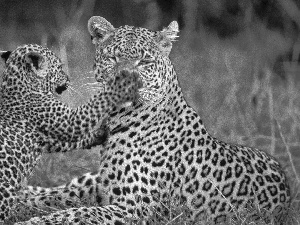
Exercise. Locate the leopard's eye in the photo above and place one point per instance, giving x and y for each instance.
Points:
(113, 59)
(146, 62)
(108, 70)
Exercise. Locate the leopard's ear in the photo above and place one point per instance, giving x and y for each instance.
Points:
(166, 37)
(36, 62)
(100, 29)
(5, 55)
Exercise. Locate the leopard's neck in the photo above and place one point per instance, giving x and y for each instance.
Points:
(172, 107)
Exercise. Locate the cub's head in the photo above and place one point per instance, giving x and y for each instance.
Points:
(135, 49)
(33, 68)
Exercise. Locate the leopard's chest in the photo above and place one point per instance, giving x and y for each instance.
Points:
(159, 145)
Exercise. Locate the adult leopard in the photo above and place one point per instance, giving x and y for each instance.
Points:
(33, 120)
(159, 150)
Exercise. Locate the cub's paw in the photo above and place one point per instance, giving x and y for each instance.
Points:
(100, 134)
(125, 86)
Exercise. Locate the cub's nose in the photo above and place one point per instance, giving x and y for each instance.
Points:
(61, 89)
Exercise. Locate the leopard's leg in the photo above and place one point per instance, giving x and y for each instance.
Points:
(10, 199)
(98, 136)
(82, 127)
(84, 190)
(104, 215)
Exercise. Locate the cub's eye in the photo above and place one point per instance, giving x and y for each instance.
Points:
(62, 65)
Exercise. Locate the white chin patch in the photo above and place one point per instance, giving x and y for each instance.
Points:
(147, 95)
(126, 104)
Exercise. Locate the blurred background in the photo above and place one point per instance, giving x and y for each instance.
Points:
(237, 62)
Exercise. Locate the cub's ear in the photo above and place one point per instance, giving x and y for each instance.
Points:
(5, 55)
(35, 60)
(166, 37)
(100, 29)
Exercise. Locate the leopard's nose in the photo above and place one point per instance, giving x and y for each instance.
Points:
(129, 65)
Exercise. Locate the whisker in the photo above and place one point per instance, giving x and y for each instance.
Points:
(95, 84)
(91, 84)
(89, 76)
(85, 78)
(93, 89)
(74, 91)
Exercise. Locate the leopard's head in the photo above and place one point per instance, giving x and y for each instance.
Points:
(33, 68)
(135, 49)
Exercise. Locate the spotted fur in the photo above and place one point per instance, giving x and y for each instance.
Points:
(33, 120)
(159, 150)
